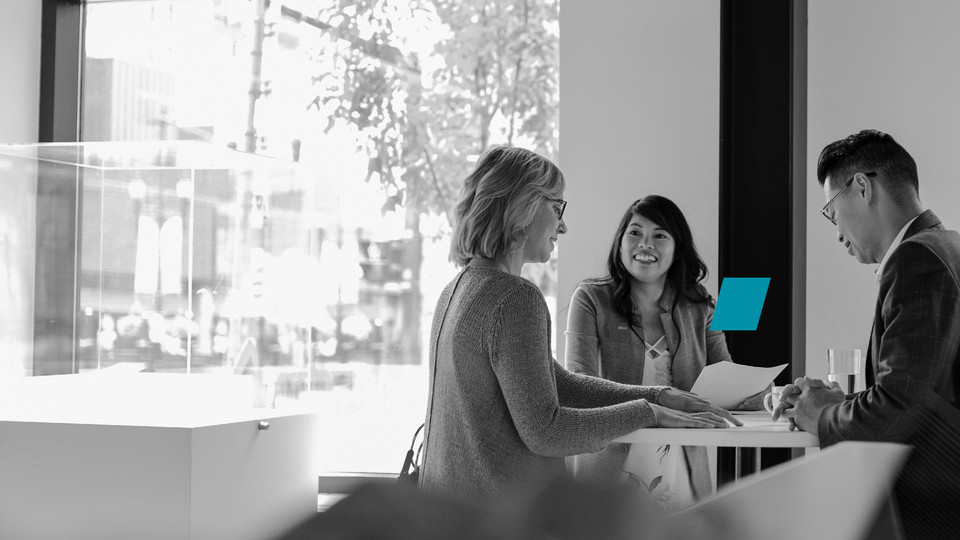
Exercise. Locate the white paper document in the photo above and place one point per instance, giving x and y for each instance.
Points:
(727, 384)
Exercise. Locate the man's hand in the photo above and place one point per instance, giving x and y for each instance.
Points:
(804, 400)
(684, 401)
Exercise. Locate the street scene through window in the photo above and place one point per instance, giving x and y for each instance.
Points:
(319, 281)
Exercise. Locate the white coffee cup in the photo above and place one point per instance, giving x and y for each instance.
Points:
(771, 400)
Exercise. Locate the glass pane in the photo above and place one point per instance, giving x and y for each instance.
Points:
(321, 283)
(18, 255)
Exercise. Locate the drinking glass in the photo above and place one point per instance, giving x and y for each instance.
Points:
(844, 366)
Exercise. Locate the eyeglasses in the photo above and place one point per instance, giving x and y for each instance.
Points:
(845, 186)
(563, 207)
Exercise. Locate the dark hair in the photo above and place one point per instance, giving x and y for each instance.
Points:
(871, 150)
(686, 272)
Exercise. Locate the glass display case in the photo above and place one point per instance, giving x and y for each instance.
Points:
(193, 258)
(150, 255)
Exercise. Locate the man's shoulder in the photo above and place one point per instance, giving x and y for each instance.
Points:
(944, 243)
(926, 253)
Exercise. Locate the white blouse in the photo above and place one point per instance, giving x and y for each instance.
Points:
(661, 471)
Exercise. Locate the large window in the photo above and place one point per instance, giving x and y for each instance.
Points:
(330, 277)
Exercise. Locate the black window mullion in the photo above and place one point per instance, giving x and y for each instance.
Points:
(762, 202)
(56, 293)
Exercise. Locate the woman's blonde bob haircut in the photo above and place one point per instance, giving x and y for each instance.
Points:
(499, 200)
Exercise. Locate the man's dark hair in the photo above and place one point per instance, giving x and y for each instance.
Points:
(871, 150)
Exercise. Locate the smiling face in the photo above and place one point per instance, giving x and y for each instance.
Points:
(646, 250)
(543, 232)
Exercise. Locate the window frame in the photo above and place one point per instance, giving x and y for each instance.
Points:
(62, 53)
(57, 297)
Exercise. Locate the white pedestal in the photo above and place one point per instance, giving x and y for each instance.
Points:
(838, 493)
(151, 467)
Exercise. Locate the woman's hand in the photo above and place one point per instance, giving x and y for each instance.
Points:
(684, 401)
(670, 418)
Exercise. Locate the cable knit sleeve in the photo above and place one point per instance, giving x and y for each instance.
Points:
(518, 337)
(585, 391)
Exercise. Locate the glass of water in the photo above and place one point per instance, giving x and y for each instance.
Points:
(845, 367)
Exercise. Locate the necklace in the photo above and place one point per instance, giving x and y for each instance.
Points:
(654, 316)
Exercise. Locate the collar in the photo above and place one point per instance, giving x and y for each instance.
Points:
(893, 246)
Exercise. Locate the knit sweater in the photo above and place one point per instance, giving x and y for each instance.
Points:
(502, 413)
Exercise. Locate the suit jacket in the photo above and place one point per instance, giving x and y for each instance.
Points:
(912, 376)
(600, 343)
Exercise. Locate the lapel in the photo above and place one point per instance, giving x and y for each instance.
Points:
(926, 220)
(684, 373)
(670, 329)
(629, 372)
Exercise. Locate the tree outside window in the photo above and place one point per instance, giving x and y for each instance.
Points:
(385, 105)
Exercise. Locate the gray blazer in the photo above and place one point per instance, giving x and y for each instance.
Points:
(600, 343)
(913, 365)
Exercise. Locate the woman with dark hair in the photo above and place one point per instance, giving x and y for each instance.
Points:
(648, 322)
(502, 413)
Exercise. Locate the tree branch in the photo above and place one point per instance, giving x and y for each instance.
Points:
(433, 175)
(516, 75)
(386, 53)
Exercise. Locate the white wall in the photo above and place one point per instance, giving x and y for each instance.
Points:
(639, 115)
(887, 65)
(20, 69)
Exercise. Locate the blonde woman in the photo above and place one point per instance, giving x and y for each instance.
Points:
(502, 413)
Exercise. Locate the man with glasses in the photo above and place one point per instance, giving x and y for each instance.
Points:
(872, 191)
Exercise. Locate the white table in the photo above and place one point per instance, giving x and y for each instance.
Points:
(757, 431)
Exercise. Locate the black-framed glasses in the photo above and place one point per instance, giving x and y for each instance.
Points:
(846, 184)
(563, 206)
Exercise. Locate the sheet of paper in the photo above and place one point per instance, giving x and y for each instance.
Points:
(727, 384)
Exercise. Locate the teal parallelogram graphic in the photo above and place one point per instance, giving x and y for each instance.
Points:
(739, 303)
